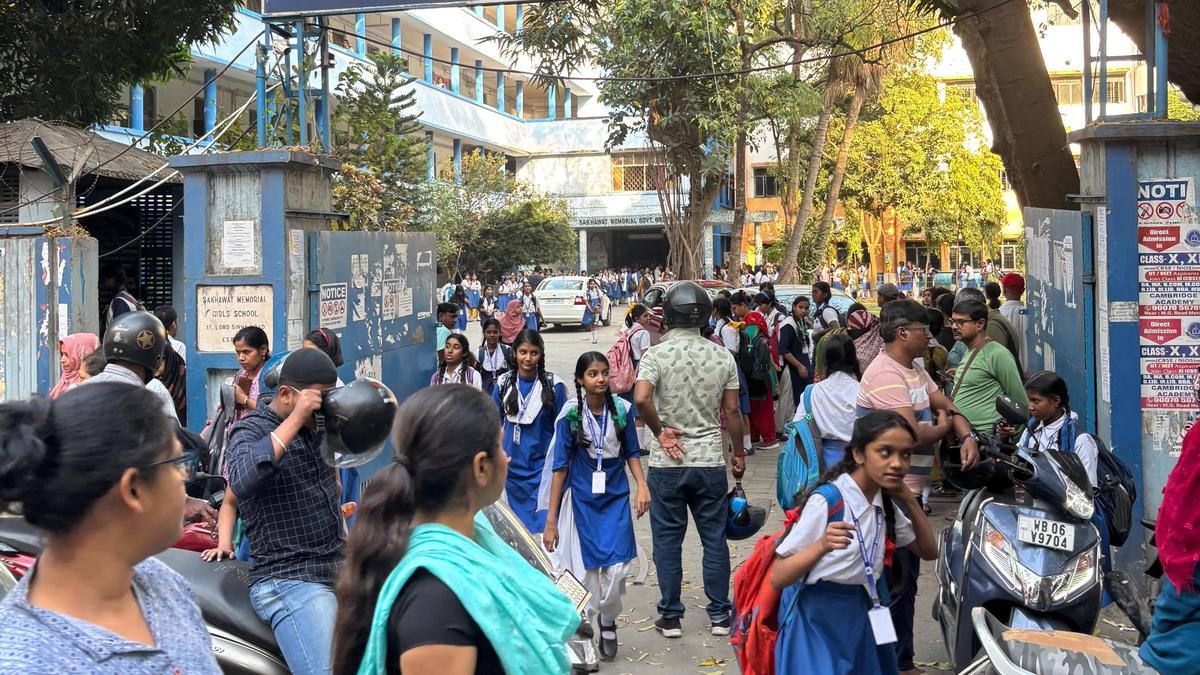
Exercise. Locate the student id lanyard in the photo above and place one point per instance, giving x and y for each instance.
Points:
(880, 616)
(524, 405)
(599, 429)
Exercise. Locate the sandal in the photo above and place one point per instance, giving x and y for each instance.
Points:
(608, 645)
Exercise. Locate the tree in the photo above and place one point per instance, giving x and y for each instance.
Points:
(1012, 82)
(917, 161)
(490, 221)
(71, 61)
(376, 130)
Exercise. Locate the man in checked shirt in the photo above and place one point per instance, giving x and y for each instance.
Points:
(288, 499)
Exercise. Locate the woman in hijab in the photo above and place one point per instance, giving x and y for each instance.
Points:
(864, 330)
(512, 322)
(72, 350)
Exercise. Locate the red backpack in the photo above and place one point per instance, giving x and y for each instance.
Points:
(756, 602)
(621, 371)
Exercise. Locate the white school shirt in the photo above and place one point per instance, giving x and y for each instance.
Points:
(1085, 446)
(833, 401)
(529, 304)
(639, 341)
(844, 566)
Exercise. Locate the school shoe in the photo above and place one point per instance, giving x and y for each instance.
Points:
(769, 445)
(608, 645)
(669, 628)
(720, 628)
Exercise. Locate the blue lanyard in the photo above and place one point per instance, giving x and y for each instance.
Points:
(598, 439)
(869, 561)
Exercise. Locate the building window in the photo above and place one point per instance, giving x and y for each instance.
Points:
(967, 89)
(1069, 91)
(1008, 256)
(764, 183)
(636, 171)
(961, 255)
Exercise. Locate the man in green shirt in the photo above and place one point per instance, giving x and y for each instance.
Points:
(987, 371)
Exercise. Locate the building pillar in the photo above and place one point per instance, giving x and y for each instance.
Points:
(708, 250)
(520, 99)
(583, 253)
(457, 161)
(567, 101)
(552, 102)
(360, 40)
(427, 60)
(454, 79)
(520, 16)
(395, 36)
(500, 18)
(137, 121)
(479, 81)
(430, 157)
(210, 99)
(757, 251)
(501, 104)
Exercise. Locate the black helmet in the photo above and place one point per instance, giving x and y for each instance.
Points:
(686, 305)
(138, 338)
(743, 520)
(357, 419)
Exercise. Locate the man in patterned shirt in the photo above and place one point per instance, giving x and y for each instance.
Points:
(288, 499)
(683, 382)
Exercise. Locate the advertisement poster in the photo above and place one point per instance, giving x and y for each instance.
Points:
(1168, 309)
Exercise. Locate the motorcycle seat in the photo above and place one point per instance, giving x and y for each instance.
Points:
(22, 536)
(223, 593)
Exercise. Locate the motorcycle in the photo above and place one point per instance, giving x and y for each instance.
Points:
(1008, 651)
(244, 644)
(1029, 556)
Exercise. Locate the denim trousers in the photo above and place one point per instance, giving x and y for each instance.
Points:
(302, 614)
(904, 605)
(673, 493)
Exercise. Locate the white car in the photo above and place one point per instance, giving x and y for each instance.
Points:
(562, 300)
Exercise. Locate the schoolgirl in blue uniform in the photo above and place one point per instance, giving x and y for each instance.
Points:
(586, 493)
(530, 307)
(495, 358)
(591, 315)
(488, 306)
(460, 298)
(829, 565)
(530, 399)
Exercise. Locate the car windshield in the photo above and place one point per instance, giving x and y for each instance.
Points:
(561, 285)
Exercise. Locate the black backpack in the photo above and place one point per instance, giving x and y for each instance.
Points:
(1115, 493)
(754, 358)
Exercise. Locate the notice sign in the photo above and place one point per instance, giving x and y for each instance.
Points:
(237, 245)
(1168, 292)
(333, 305)
(221, 311)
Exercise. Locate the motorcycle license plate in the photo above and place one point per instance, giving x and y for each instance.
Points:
(1047, 533)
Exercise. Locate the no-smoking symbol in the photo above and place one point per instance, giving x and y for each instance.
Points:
(1145, 211)
(1165, 210)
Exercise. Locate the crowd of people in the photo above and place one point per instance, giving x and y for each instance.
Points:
(417, 581)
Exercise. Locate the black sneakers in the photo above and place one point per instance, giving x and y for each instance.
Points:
(608, 642)
(668, 627)
(720, 627)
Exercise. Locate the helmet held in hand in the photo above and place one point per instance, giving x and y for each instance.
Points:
(357, 420)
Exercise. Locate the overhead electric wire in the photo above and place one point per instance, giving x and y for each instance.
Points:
(691, 76)
(131, 242)
(149, 131)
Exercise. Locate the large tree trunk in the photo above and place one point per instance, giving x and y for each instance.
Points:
(686, 243)
(734, 270)
(839, 171)
(788, 273)
(1012, 82)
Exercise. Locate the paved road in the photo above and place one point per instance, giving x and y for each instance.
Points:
(643, 650)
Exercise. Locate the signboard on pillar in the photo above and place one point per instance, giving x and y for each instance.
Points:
(1168, 309)
(221, 311)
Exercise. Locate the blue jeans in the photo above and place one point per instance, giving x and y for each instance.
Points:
(302, 614)
(674, 492)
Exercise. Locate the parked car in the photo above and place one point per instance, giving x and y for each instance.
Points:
(785, 294)
(654, 300)
(562, 300)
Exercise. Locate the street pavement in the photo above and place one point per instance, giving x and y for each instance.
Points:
(642, 649)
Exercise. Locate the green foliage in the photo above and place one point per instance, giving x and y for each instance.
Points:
(358, 194)
(923, 156)
(491, 221)
(71, 61)
(1179, 108)
(376, 130)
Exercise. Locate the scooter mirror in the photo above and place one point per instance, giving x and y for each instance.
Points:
(1012, 411)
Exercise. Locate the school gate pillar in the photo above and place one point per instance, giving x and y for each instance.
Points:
(1138, 183)
(259, 250)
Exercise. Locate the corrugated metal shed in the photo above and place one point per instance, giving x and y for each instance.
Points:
(71, 146)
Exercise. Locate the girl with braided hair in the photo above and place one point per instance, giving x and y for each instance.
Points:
(457, 364)
(530, 399)
(586, 493)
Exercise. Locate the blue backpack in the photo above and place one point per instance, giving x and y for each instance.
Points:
(799, 466)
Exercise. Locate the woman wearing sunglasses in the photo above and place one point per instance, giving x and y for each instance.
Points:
(99, 471)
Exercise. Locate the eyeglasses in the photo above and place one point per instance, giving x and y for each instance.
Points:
(959, 323)
(918, 327)
(185, 464)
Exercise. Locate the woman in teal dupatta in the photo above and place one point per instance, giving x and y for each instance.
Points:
(428, 586)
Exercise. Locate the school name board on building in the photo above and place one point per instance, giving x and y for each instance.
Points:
(600, 222)
(279, 8)
(221, 311)
(1168, 293)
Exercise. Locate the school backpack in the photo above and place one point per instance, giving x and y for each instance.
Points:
(621, 371)
(798, 467)
(756, 601)
(819, 322)
(754, 358)
(1115, 493)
